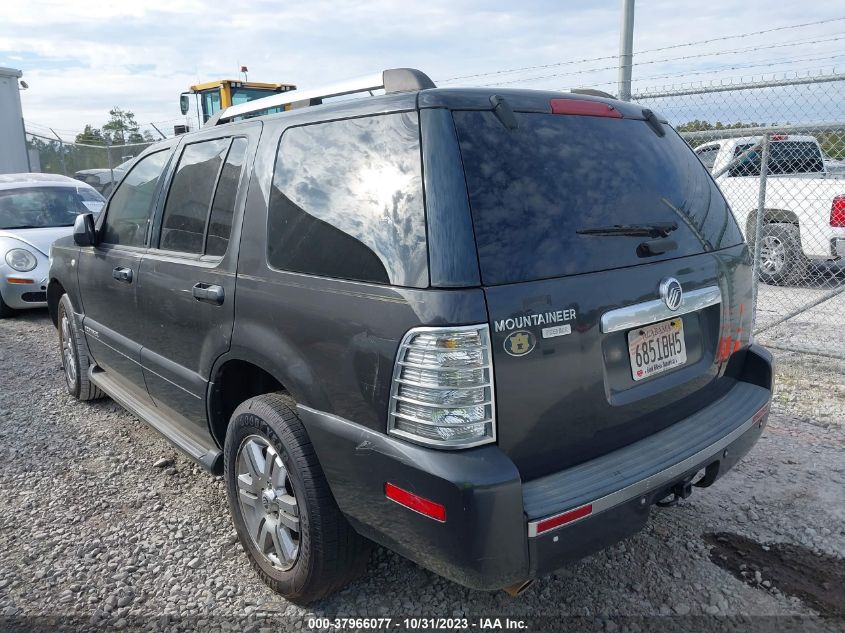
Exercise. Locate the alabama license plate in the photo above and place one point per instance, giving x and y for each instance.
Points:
(657, 348)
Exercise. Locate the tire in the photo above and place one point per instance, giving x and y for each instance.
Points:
(273, 479)
(5, 310)
(782, 261)
(75, 360)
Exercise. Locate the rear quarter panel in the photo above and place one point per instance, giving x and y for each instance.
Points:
(331, 343)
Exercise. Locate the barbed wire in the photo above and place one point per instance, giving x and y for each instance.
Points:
(723, 69)
(68, 135)
(637, 53)
(672, 59)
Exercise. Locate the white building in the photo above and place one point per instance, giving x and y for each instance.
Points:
(13, 157)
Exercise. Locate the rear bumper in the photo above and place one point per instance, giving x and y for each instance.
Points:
(496, 531)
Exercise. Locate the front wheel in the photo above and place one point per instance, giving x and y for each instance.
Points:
(286, 518)
(75, 360)
(782, 261)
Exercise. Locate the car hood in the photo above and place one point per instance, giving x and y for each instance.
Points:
(39, 239)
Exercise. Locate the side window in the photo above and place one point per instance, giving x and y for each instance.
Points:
(223, 207)
(708, 155)
(189, 199)
(210, 103)
(347, 201)
(785, 157)
(131, 206)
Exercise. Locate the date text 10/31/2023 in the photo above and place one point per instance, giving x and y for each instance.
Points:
(418, 623)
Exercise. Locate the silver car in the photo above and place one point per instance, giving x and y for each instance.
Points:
(35, 211)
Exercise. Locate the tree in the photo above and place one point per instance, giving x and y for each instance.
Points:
(90, 136)
(703, 126)
(122, 127)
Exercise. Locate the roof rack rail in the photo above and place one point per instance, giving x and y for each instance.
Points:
(392, 80)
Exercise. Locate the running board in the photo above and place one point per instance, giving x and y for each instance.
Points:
(209, 458)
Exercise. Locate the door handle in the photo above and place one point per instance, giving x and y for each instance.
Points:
(208, 293)
(122, 274)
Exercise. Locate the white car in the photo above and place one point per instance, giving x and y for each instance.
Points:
(804, 216)
(35, 210)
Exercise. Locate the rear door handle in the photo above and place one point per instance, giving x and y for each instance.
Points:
(122, 274)
(208, 293)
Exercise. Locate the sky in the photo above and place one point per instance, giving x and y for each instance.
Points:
(80, 58)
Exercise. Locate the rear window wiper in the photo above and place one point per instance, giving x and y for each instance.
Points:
(658, 229)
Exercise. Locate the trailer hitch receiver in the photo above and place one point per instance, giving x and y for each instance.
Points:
(680, 490)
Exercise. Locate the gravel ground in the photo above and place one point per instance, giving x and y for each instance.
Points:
(101, 520)
(816, 328)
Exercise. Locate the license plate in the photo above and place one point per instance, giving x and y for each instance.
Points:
(657, 348)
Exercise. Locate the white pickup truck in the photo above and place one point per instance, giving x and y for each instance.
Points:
(804, 219)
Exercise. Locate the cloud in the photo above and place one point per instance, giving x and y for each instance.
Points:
(81, 58)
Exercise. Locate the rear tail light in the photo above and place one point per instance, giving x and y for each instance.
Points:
(442, 393)
(837, 212)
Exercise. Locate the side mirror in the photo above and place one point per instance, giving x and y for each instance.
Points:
(184, 103)
(83, 230)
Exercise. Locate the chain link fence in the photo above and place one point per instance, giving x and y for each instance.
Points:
(101, 166)
(775, 147)
(777, 150)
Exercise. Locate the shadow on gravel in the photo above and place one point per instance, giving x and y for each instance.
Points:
(817, 579)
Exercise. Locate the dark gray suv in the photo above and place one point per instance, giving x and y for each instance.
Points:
(486, 329)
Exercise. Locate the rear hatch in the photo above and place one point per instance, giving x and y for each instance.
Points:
(579, 219)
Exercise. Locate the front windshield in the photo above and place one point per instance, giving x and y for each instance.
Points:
(91, 199)
(41, 207)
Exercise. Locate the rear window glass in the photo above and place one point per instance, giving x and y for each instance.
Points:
(531, 189)
(785, 157)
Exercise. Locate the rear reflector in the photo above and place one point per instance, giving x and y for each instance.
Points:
(761, 413)
(562, 519)
(414, 502)
(583, 107)
(837, 212)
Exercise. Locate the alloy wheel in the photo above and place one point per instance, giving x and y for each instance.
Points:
(68, 351)
(772, 254)
(267, 502)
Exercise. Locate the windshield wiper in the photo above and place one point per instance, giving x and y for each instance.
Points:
(658, 229)
(23, 226)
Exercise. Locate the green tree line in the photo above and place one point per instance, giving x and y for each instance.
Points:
(94, 147)
(832, 143)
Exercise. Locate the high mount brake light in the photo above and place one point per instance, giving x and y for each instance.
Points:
(584, 107)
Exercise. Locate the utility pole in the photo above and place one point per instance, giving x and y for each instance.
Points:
(626, 50)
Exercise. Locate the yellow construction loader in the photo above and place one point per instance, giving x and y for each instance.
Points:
(212, 96)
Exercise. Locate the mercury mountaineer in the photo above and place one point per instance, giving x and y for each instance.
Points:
(487, 329)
